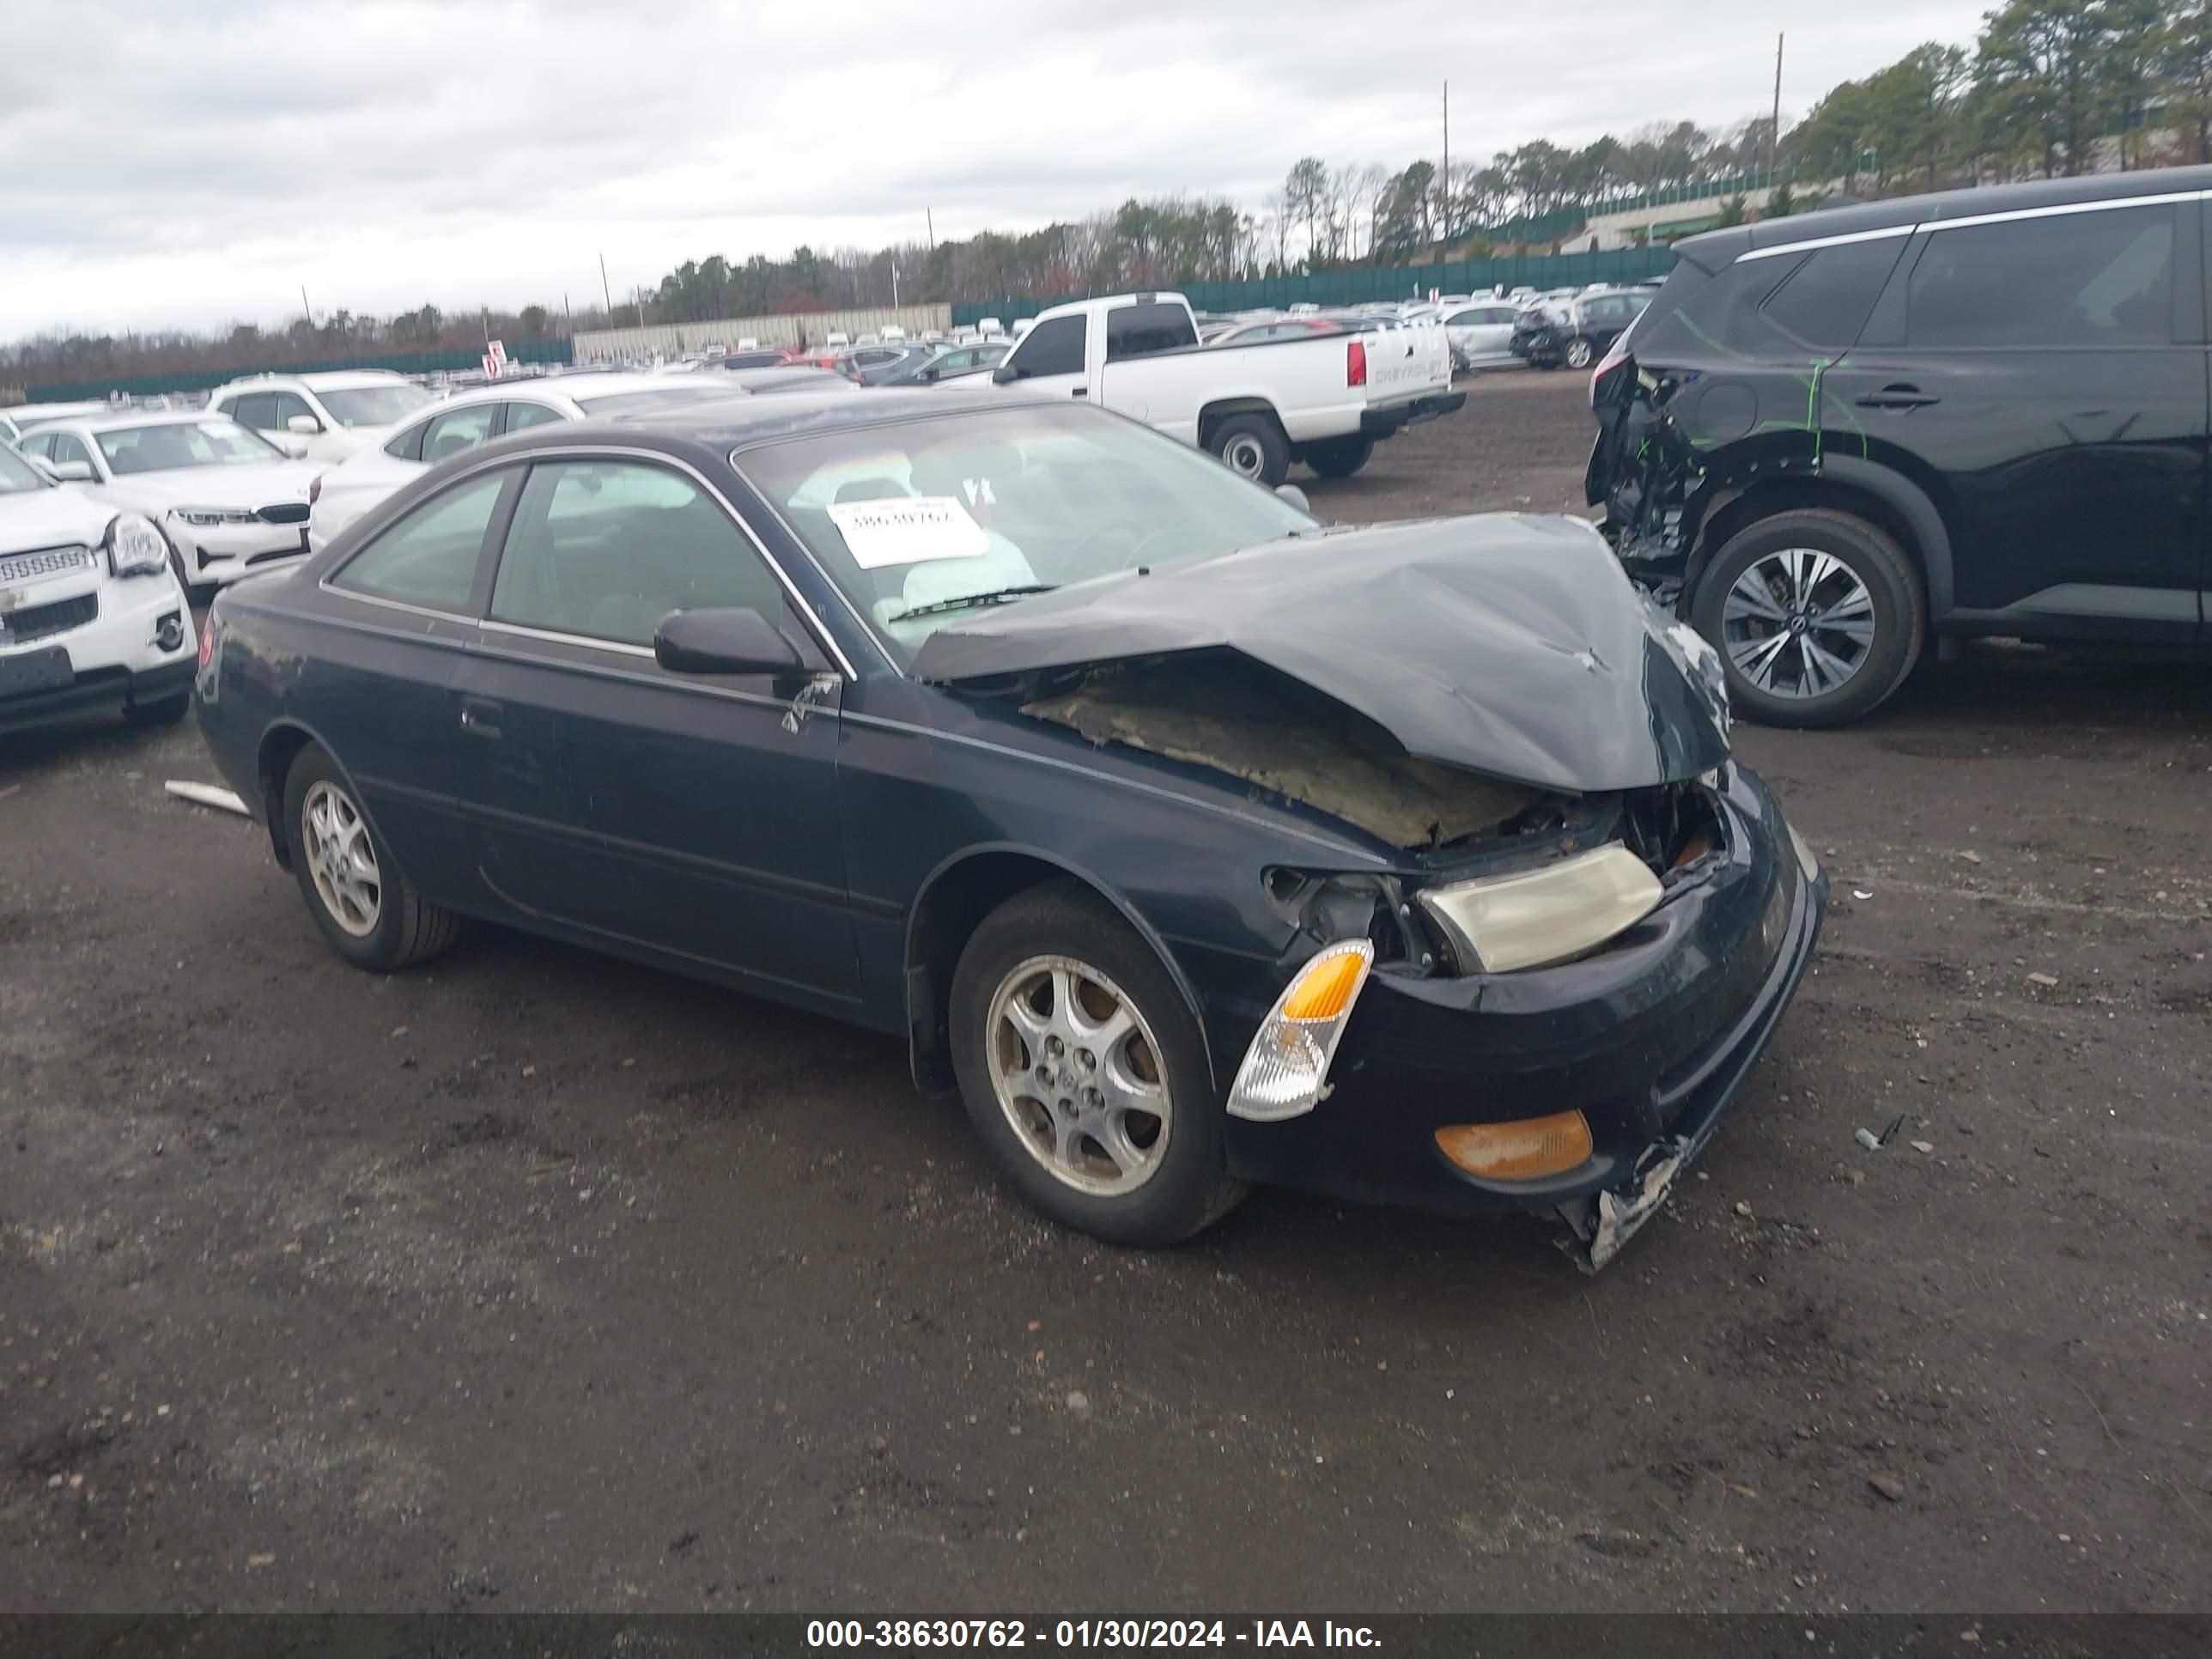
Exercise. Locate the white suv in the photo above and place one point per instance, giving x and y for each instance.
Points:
(92, 617)
(323, 418)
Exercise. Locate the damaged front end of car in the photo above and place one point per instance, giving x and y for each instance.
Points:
(1528, 993)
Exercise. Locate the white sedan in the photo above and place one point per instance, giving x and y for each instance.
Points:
(462, 422)
(228, 500)
(1481, 333)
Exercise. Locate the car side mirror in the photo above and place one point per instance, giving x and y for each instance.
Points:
(1295, 497)
(306, 425)
(1004, 374)
(725, 640)
(928, 377)
(68, 471)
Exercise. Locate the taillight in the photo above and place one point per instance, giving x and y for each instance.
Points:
(1355, 363)
(207, 639)
(314, 489)
(1614, 360)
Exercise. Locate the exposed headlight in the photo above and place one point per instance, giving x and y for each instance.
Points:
(1285, 1070)
(204, 516)
(136, 548)
(1533, 918)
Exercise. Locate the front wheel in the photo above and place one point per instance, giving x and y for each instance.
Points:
(1342, 459)
(1083, 1073)
(1817, 615)
(1580, 353)
(1253, 446)
(367, 910)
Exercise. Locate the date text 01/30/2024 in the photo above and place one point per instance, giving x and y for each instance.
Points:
(1084, 1633)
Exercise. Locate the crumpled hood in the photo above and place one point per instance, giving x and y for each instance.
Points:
(1510, 644)
(65, 516)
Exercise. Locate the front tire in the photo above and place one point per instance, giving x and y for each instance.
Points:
(1581, 354)
(1083, 1073)
(1818, 616)
(1253, 446)
(365, 907)
(1342, 459)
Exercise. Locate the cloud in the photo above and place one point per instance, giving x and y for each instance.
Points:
(204, 159)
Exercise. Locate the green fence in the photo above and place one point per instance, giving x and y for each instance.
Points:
(1363, 283)
(206, 379)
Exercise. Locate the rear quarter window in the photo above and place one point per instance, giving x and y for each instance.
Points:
(1155, 325)
(1826, 299)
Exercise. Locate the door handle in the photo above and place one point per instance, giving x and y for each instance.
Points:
(480, 717)
(1896, 397)
(1080, 391)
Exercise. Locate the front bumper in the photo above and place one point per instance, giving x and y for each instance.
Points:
(112, 661)
(1649, 1039)
(223, 553)
(1382, 422)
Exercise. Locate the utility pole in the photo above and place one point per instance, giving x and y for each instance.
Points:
(605, 293)
(305, 307)
(1774, 132)
(929, 218)
(1445, 199)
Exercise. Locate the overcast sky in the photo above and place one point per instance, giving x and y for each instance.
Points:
(198, 161)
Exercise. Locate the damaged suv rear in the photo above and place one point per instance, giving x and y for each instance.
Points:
(1196, 843)
(1833, 438)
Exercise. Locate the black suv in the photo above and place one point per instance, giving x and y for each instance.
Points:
(1832, 437)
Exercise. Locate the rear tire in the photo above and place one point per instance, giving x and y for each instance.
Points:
(1818, 616)
(1340, 459)
(365, 907)
(1581, 354)
(1253, 446)
(1044, 970)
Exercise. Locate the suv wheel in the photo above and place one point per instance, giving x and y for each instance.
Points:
(1817, 615)
(1580, 353)
(1083, 1073)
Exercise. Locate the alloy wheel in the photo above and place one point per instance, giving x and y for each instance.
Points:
(341, 859)
(1076, 1069)
(1798, 622)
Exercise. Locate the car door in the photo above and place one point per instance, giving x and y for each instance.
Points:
(687, 816)
(1050, 357)
(379, 693)
(2042, 373)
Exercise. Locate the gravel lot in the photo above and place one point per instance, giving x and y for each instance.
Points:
(534, 1281)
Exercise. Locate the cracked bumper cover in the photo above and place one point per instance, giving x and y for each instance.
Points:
(1649, 1040)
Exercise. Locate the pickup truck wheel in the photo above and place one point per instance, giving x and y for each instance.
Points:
(1253, 446)
(368, 911)
(1084, 1074)
(1342, 459)
(1580, 353)
(1817, 615)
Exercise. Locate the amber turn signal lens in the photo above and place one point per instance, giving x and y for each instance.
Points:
(1520, 1150)
(1326, 989)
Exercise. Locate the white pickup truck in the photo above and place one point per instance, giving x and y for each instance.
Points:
(1324, 399)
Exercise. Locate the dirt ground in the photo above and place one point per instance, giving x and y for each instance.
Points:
(534, 1281)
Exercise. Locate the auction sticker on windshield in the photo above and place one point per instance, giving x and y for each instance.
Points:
(908, 529)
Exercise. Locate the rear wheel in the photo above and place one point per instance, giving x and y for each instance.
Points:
(1581, 354)
(1817, 615)
(1083, 1073)
(367, 909)
(1340, 459)
(1253, 446)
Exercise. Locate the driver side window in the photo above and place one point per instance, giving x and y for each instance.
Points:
(604, 549)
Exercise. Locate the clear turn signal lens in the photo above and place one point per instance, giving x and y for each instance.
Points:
(1285, 1070)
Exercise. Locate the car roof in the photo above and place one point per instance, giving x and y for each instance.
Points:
(1714, 248)
(335, 379)
(124, 418)
(743, 420)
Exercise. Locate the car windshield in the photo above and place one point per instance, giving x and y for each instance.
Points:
(177, 444)
(17, 476)
(374, 405)
(675, 391)
(924, 521)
